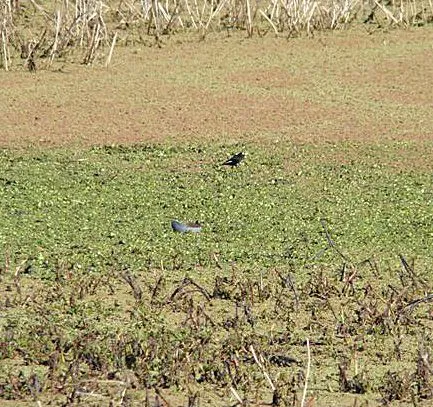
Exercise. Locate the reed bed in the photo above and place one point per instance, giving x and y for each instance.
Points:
(34, 34)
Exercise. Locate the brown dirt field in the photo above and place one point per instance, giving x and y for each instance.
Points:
(334, 87)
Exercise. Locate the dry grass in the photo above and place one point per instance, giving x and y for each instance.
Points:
(89, 30)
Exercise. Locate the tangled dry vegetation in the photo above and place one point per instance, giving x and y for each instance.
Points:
(40, 32)
(252, 338)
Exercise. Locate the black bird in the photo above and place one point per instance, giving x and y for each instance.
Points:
(235, 160)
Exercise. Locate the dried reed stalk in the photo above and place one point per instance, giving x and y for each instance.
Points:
(5, 49)
(386, 11)
(58, 20)
(110, 54)
(249, 20)
(262, 368)
(269, 21)
(6, 26)
(191, 16)
(307, 375)
(215, 13)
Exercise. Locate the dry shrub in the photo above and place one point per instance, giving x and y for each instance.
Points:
(54, 33)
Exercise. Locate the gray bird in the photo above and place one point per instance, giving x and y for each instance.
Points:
(185, 227)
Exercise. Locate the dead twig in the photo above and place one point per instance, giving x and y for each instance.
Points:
(185, 283)
(418, 301)
(307, 375)
(132, 282)
(331, 242)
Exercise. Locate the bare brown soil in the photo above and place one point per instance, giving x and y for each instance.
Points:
(335, 87)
